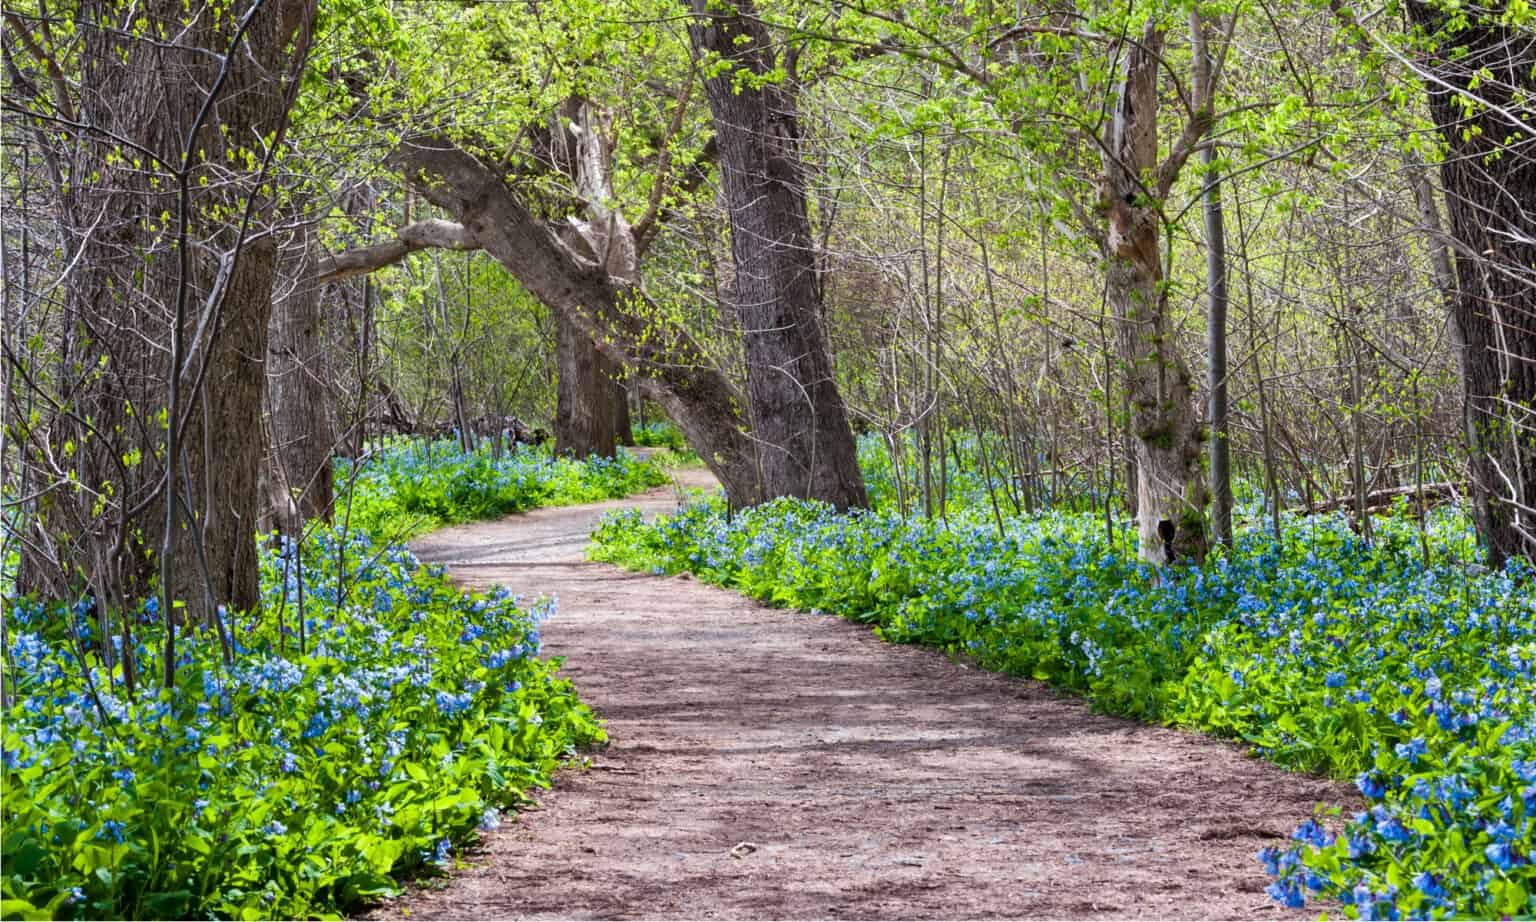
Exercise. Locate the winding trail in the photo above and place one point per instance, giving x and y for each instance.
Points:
(867, 780)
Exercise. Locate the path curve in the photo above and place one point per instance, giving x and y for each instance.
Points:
(868, 780)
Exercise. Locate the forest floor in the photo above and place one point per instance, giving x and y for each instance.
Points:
(773, 764)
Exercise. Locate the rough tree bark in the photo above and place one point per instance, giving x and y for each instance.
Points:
(1171, 492)
(623, 430)
(584, 415)
(299, 406)
(588, 401)
(1481, 79)
(145, 73)
(804, 443)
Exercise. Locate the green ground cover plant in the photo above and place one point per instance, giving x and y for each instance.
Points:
(411, 487)
(1323, 652)
(302, 764)
(661, 434)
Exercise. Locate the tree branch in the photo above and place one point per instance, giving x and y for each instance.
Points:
(55, 74)
(1189, 139)
(430, 234)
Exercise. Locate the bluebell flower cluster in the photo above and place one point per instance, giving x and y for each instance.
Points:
(299, 779)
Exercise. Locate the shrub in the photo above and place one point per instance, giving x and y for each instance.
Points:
(660, 435)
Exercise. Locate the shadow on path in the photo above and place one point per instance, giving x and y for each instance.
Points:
(871, 780)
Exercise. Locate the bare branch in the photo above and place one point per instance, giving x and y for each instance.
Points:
(433, 233)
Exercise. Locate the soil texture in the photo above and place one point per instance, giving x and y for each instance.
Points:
(766, 763)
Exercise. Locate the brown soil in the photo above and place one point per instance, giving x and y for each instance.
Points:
(774, 764)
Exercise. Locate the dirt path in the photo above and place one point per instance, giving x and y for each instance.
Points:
(871, 780)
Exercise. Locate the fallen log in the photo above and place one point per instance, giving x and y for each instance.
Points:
(1379, 501)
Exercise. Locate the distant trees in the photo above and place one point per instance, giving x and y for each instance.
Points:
(1083, 95)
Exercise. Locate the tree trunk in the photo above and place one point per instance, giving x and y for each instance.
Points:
(799, 424)
(623, 431)
(1170, 485)
(1216, 313)
(298, 395)
(145, 79)
(584, 417)
(1489, 176)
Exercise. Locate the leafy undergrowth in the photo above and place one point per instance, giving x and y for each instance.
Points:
(660, 435)
(320, 761)
(290, 782)
(664, 435)
(1324, 653)
(412, 487)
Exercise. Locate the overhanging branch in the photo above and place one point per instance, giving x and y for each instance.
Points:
(433, 233)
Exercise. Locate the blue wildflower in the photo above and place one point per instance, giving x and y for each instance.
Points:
(1500, 855)
(1288, 893)
(1370, 785)
(490, 820)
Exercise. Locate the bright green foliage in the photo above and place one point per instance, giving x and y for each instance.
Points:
(660, 435)
(412, 487)
(1322, 652)
(295, 782)
(674, 451)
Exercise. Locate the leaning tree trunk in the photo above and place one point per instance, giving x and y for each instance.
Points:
(804, 444)
(613, 310)
(1481, 81)
(584, 417)
(1170, 485)
(299, 401)
(145, 71)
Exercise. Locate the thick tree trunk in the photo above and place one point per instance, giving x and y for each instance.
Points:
(1170, 485)
(618, 396)
(799, 423)
(298, 395)
(1489, 175)
(223, 456)
(143, 80)
(584, 418)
